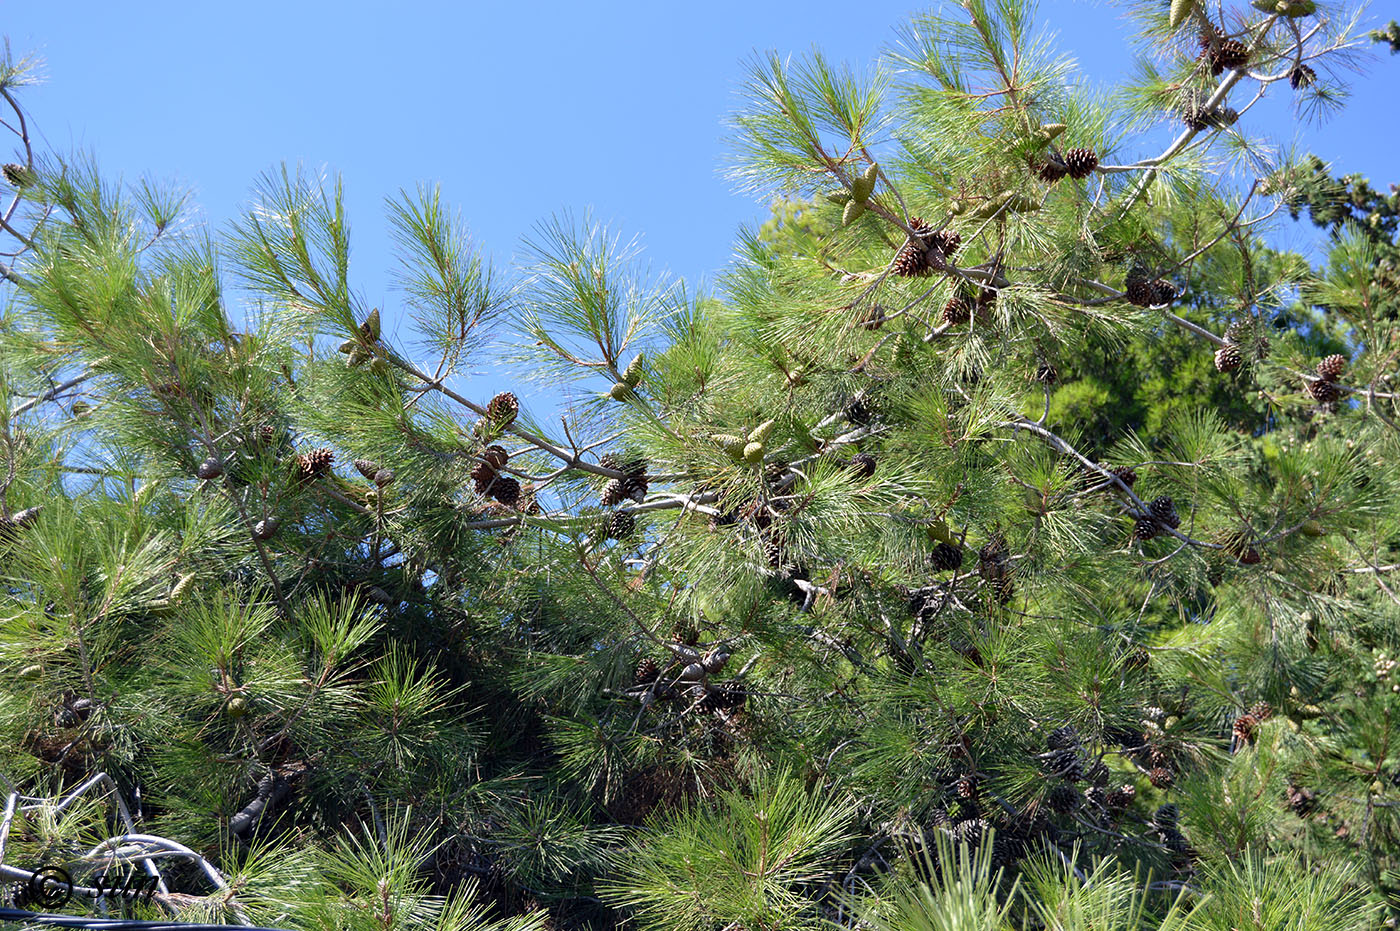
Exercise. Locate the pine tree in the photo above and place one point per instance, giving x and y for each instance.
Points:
(716, 653)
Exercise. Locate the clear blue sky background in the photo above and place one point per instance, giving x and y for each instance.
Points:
(518, 109)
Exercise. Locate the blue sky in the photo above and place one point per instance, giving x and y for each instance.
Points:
(518, 110)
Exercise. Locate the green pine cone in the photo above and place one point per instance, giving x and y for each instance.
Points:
(753, 453)
(1180, 11)
(370, 328)
(853, 210)
(760, 433)
(862, 187)
(732, 445)
(633, 373)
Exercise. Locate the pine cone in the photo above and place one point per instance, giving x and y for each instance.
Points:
(1163, 510)
(1138, 286)
(1145, 528)
(646, 671)
(1323, 392)
(1244, 728)
(210, 469)
(1080, 163)
(315, 463)
(1224, 54)
(863, 465)
(1261, 710)
(495, 457)
(946, 556)
(384, 477)
(1052, 169)
(502, 409)
(1064, 737)
(966, 787)
(506, 490)
(367, 468)
(1163, 292)
(11, 526)
(1160, 777)
(621, 525)
(912, 259)
(265, 529)
(1125, 474)
(1166, 818)
(956, 311)
(1121, 797)
(1332, 367)
(1301, 76)
(1227, 359)
(635, 487)
(1064, 763)
(1302, 800)
(1063, 798)
(17, 175)
(1046, 374)
(1237, 332)
(947, 242)
(860, 411)
(732, 696)
(773, 553)
(612, 492)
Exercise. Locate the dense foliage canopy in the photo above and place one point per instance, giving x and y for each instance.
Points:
(1008, 542)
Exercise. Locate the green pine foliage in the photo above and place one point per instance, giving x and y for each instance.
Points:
(1007, 542)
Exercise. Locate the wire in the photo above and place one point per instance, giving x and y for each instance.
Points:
(113, 924)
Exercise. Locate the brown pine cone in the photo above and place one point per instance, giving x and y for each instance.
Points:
(315, 463)
(506, 490)
(612, 492)
(646, 671)
(1332, 367)
(1227, 359)
(912, 259)
(1125, 474)
(1160, 776)
(956, 311)
(946, 556)
(1080, 163)
(1323, 392)
(1052, 169)
(502, 409)
(1121, 797)
(1244, 728)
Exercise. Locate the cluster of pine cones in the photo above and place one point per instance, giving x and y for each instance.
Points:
(926, 251)
(488, 480)
(1246, 724)
(1077, 163)
(1161, 512)
(633, 484)
(1142, 290)
(1229, 357)
(1325, 390)
(1222, 53)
